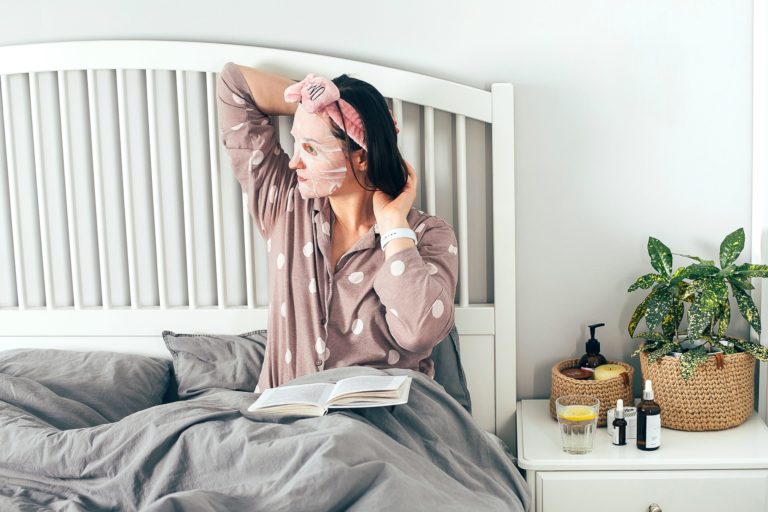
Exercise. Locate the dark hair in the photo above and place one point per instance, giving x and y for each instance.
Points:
(386, 169)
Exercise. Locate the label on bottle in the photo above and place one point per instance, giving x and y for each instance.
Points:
(616, 436)
(653, 431)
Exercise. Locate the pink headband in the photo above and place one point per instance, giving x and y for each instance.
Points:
(319, 95)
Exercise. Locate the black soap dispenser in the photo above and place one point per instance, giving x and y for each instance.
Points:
(593, 358)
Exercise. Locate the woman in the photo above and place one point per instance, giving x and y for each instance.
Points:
(337, 298)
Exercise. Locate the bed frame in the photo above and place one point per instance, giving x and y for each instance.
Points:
(120, 216)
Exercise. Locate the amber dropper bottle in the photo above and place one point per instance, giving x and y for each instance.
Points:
(648, 421)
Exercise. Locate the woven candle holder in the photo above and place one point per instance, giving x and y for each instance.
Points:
(607, 391)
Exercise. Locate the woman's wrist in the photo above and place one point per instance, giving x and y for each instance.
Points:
(392, 222)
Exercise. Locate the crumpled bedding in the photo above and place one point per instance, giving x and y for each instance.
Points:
(205, 454)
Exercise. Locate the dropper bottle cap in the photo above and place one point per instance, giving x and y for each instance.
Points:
(619, 408)
(648, 391)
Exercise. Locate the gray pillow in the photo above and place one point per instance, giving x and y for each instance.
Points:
(208, 361)
(448, 370)
(113, 385)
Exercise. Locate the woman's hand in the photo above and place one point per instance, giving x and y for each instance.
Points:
(391, 213)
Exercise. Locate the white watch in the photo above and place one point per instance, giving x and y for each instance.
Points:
(397, 233)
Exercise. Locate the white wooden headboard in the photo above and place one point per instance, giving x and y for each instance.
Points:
(120, 219)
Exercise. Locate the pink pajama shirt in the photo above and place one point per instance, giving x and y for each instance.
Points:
(362, 311)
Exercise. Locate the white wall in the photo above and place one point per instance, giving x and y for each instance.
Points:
(632, 119)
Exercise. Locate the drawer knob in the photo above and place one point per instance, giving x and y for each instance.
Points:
(653, 507)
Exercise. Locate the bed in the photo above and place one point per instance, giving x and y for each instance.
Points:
(121, 219)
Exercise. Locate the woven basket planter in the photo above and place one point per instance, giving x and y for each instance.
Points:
(719, 395)
(607, 391)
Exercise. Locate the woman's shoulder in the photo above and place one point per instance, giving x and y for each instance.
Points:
(422, 222)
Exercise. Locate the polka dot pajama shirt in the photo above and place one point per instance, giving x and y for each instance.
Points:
(365, 311)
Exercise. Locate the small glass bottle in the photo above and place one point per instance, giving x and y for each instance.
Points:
(648, 421)
(619, 425)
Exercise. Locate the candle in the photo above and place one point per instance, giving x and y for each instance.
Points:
(608, 371)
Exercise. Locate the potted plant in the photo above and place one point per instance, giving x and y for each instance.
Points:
(700, 368)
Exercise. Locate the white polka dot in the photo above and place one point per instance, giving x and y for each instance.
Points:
(421, 212)
(289, 208)
(272, 192)
(431, 268)
(320, 346)
(269, 244)
(276, 151)
(357, 326)
(237, 127)
(257, 157)
(326, 228)
(393, 357)
(288, 356)
(280, 260)
(397, 267)
(419, 228)
(308, 249)
(356, 277)
(264, 121)
(394, 312)
(437, 308)
(453, 249)
(237, 99)
(313, 286)
(283, 310)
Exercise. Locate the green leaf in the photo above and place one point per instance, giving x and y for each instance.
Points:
(677, 276)
(638, 314)
(704, 262)
(731, 247)
(699, 270)
(661, 256)
(655, 337)
(725, 319)
(740, 281)
(662, 350)
(691, 360)
(711, 294)
(672, 319)
(751, 270)
(759, 351)
(646, 281)
(747, 307)
(658, 307)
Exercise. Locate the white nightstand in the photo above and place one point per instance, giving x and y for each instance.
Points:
(690, 472)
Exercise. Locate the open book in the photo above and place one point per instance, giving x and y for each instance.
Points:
(316, 399)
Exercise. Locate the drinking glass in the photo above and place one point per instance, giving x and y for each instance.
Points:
(577, 417)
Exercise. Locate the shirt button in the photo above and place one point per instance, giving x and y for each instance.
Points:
(319, 363)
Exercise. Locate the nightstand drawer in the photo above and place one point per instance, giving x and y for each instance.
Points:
(634, 491)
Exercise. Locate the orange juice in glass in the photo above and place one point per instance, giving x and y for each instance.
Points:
(577, 416)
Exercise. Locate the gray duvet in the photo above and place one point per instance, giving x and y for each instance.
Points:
(205, 454)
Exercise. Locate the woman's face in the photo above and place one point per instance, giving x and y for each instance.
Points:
(318, 156)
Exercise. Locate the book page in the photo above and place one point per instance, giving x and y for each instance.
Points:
(315, 394)
(367, 383)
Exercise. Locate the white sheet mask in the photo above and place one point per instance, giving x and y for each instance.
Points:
(325, 165)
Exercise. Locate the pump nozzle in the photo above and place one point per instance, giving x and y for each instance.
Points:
(592, 330)
(593, 346)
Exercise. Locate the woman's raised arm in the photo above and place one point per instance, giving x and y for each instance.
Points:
(245, 98)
